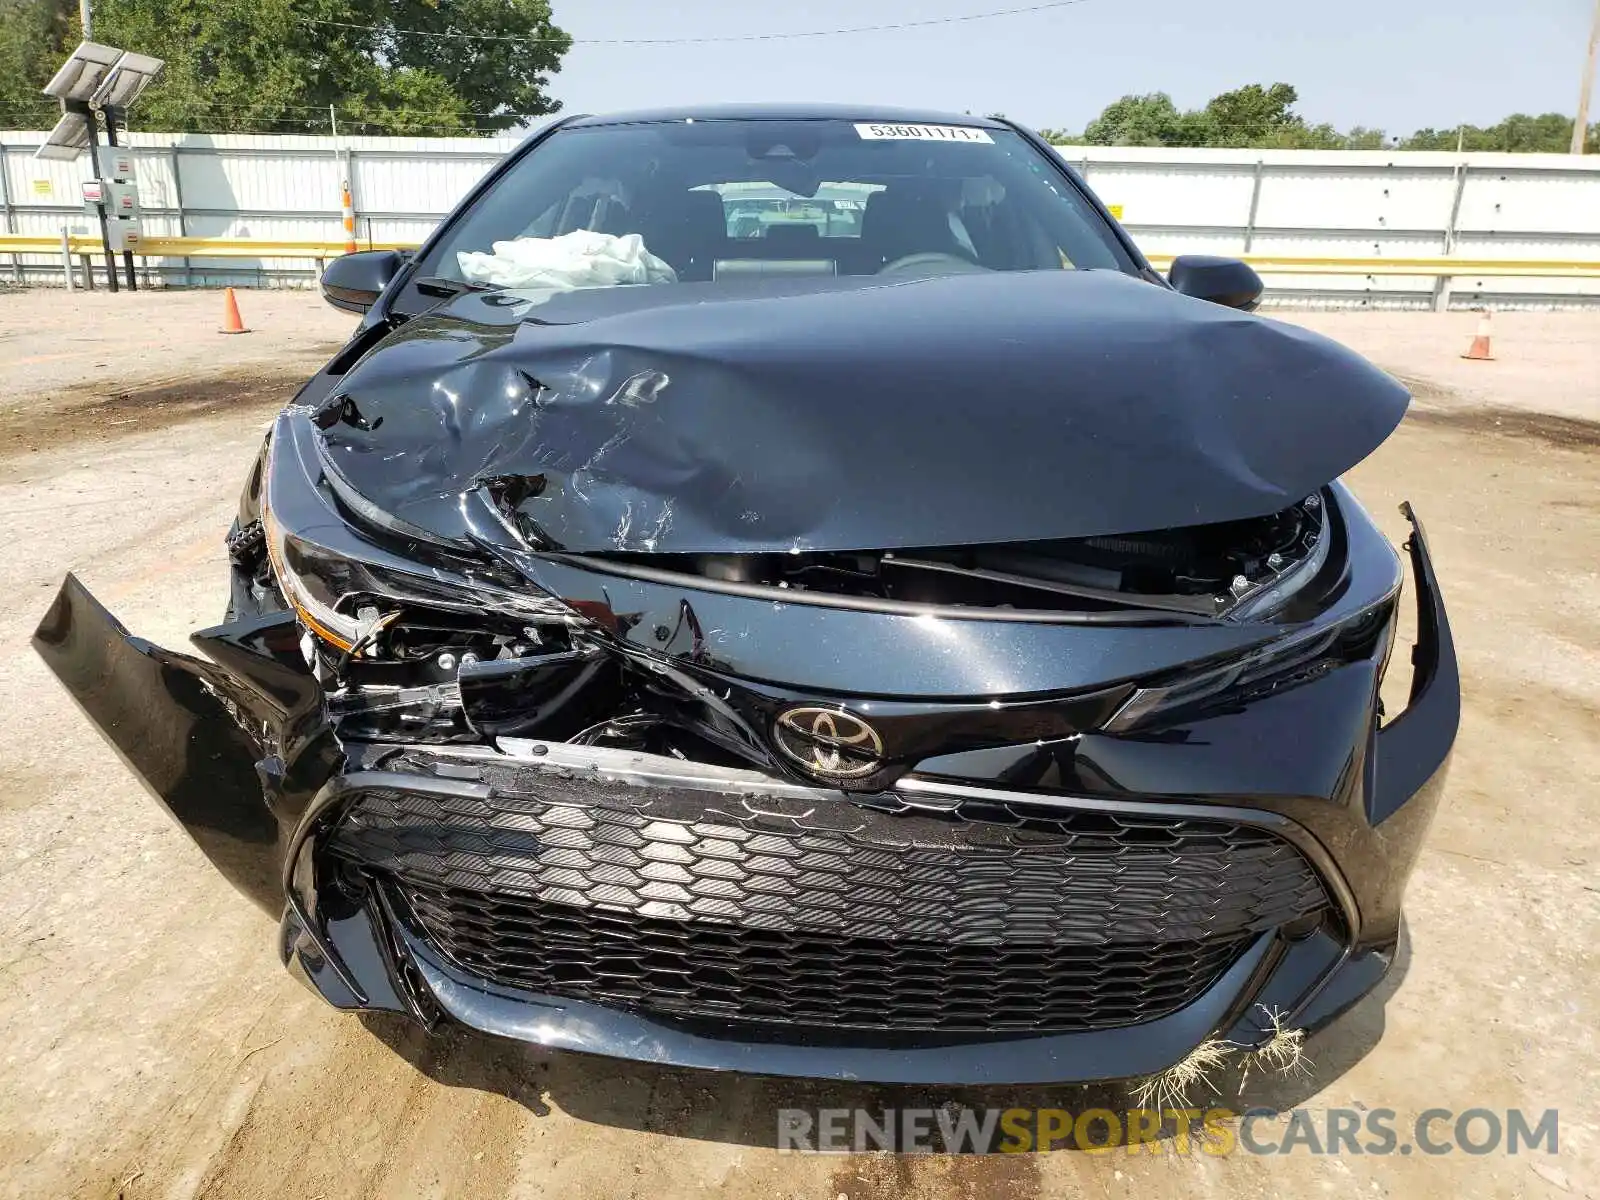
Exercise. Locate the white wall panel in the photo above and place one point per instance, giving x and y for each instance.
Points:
(1156, 194)
(1564, 201)
(1288, 202)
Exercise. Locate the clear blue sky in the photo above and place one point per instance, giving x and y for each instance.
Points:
(1392, 64)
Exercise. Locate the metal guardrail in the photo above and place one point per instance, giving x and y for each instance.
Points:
(1267, 264)
(191, 247)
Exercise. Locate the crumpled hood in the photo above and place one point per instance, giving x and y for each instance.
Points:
(854, 414)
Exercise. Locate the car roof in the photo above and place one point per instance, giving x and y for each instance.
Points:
(875, 113)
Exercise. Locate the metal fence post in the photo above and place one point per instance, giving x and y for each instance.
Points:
(355, 195)
(66, 257)
(5, 199)
(1255, 206)
(177, 199)
(1441, 286)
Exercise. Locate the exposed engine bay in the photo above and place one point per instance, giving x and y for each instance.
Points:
(1209, 569)
(415, 671)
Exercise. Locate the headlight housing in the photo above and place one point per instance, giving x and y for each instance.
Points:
(1298, 658)
(343, 586)
(309, 579)
(399, 639)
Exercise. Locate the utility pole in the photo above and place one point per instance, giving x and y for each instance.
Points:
(111, 140)
(91, 118)
(1580, 126)
(83, 18)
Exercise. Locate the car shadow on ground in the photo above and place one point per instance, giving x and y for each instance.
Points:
(744, 1109)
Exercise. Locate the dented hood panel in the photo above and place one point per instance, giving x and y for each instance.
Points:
(854, 414)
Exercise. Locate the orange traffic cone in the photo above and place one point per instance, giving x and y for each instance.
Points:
(1480, 341)
(231, 322)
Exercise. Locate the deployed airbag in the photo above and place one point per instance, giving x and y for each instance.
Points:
(573, 260)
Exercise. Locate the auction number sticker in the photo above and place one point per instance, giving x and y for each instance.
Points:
(923, 133)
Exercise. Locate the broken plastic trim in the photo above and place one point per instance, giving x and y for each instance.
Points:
(1415, 746)
(1200, 605)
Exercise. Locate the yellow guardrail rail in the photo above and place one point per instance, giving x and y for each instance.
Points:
(1267, 264)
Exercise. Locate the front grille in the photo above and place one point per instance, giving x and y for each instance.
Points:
(826, 910)
(692, 969)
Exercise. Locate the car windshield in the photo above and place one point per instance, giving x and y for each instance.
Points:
(701, 201)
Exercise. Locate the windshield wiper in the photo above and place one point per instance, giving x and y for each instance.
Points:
(438, 285)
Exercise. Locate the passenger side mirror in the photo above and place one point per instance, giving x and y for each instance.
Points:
(1225, 281)
(354, 282)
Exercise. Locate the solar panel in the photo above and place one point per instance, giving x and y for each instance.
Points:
(67, 140)
(81, 75)
(129, 77)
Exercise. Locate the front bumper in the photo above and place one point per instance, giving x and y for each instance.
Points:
(465, 841)
(777, 928)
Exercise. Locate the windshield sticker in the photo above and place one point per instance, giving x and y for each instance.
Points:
(923, 133)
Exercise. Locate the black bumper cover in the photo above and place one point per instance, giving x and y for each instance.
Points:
(186, 726)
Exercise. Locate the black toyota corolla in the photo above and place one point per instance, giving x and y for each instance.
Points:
(794, 591)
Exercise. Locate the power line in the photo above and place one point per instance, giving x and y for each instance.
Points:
(714, 38)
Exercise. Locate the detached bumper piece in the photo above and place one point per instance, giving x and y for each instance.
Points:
(971, 915)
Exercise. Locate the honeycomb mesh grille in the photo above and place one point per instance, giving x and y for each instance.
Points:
(680, 968)
(828, 911)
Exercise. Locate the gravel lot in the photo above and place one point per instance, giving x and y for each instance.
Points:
(153, 1047)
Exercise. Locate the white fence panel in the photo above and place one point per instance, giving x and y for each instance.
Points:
(1325, 204)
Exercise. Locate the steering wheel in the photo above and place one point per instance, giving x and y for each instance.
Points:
(930, 260)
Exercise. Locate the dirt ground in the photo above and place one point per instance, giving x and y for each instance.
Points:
(151, 1045)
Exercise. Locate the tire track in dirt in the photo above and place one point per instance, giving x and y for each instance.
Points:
(1569, 433)
(146, 408)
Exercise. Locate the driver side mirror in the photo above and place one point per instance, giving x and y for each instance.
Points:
(1225, 281)
(354, 282)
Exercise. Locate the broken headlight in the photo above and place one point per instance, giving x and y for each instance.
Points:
(342, 583)
(313, 583)
(427, 644)
(345, 595)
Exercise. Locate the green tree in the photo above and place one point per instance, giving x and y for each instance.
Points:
(1548, 133)
(1253, 116)
(386, 66)
(1362, 138)
(1263, 117)
(1149, 120)
(35, 36)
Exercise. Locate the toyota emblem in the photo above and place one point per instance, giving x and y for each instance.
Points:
(829, 742)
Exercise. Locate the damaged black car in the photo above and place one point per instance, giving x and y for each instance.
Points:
(794, 591)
